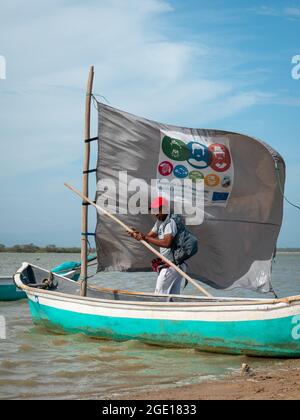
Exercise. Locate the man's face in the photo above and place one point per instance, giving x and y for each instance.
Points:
(160, 215)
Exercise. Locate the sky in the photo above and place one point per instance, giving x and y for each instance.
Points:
(206, 64)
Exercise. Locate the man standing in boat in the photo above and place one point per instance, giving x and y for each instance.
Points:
(163, 235)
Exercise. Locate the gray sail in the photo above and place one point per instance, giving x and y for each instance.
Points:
(245, 204)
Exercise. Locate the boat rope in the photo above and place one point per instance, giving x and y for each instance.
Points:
(274, 293)
(49, 283)
(279, 181)
(95, 102)
(94, 96)
(90, 140)
(89, 171)
(93, 265)
(89, 247)
(87, 204)
(277, 170)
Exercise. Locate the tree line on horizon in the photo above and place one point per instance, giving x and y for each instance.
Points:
(31, 248)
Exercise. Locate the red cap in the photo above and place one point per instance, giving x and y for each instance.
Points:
(159, 202)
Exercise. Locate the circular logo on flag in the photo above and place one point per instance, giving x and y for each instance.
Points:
(175, 149)
(165, 168)
(181, 171)
(196, 176)
(199, 155)
(212, 180)
(221, 160)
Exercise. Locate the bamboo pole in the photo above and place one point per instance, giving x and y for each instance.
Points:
(85, 183)
(153, 250)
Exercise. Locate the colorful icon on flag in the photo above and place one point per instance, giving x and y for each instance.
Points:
(199, 155)
(221, 159)
(165, 168)
(212, 180)
(226, 181)
(175, 149)
(180, 171)
(220, 196)
(196, 176)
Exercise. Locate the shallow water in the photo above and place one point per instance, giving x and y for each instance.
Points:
(35, 363)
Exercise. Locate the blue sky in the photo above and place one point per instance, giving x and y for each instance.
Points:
(213, 64)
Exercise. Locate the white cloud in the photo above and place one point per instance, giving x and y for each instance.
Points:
(292, 11)
(137, 67)
(266, 11)
(263, 10)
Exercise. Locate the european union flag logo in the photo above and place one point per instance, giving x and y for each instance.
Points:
(220, 196)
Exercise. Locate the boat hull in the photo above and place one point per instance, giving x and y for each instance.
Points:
(268, 334)
(8, 290)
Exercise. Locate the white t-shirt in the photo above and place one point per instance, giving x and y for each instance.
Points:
(162, 228)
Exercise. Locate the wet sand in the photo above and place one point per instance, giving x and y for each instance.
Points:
(280, 383)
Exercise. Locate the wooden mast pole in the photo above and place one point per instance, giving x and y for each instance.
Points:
(85, 183)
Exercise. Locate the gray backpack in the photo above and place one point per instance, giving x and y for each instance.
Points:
(185, 244)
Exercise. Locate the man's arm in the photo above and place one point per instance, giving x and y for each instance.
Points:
(151, 234)
(151, 238)
(166, 242)
(139, 236)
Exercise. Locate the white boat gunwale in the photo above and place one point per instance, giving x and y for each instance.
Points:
(240, 304)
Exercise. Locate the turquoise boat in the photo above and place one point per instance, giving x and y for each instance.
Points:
(69, 269)
(252, 327)
(9, 291)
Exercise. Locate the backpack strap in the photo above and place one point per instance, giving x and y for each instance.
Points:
(180, 226)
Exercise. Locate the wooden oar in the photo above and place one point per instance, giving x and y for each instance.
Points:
(128, 229)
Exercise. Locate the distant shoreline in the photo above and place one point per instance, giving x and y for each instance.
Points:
(282, 250)
(288, 252)
(34, 249)
(43, 251)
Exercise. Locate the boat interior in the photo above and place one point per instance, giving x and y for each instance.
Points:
(38, 278)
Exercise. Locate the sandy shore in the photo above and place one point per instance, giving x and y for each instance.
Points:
(280, 383)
